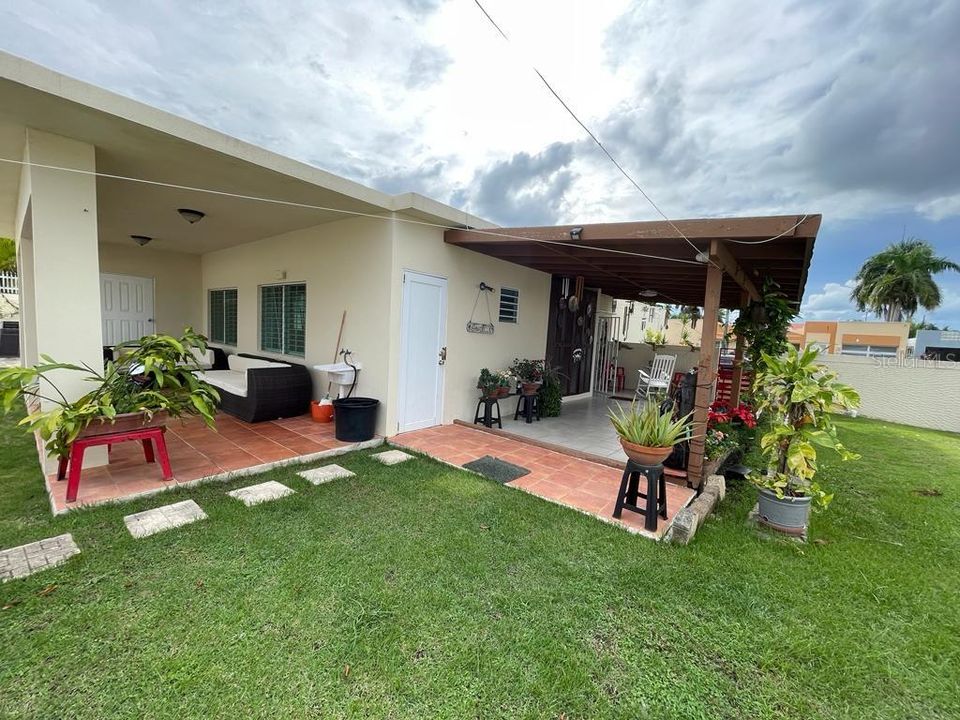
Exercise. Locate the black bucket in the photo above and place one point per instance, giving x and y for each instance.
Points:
(355, 419)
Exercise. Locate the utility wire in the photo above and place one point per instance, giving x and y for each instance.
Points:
(375, 216)
(595, 139)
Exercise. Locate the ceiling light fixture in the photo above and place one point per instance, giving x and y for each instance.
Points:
(191, 216)
(648, 293)
(703, 257)
(575, 233)
(141, 240)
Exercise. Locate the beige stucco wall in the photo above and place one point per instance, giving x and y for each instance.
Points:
(422, 249)
(177, 282)
(62, 308)
(345, 265)
(923, 393)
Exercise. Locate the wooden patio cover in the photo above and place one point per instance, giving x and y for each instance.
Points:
(680, 279)
(625, 259)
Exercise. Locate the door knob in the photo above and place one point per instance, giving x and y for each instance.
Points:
(443, 356)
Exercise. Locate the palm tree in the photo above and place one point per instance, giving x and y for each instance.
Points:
(896, 282)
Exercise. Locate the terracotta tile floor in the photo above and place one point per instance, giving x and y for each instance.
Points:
(564, 479)
(197, 452)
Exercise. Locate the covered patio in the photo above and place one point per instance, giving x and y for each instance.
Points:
(709, 263)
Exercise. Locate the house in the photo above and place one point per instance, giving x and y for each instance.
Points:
(851, 337)
(938, 345)
(129, 220)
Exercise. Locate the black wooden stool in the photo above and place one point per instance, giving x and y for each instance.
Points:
(655, 496)
(529, 405)
(487, 418)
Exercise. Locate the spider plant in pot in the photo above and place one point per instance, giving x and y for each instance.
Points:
(648, 435)
(797, 395)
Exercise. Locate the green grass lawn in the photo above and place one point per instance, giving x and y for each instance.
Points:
(422, 591)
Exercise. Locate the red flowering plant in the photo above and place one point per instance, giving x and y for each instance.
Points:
(729, 428)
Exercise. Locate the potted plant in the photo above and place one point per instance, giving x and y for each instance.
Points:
(506, 380)
(797, 395)
(488, 384)
(655, 338)
(529, 373)
(648, 435)
(686, 338)
(152, 379)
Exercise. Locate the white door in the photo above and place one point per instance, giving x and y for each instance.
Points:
(126, 307)
(423, 339)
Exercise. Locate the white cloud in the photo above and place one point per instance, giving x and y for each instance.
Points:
(716, 108)
(831, 303)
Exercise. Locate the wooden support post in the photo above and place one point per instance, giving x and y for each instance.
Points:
(706, 372)
(737, 376)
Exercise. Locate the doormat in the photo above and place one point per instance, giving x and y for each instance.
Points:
(622, 397)
(496, 469)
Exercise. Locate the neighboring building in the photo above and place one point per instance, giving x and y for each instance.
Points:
(675, 328)
(938, 345)
(637, 317)
(843, 337)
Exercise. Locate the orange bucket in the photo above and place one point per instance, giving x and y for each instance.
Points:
(321, 413)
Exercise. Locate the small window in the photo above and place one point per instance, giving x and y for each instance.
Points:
(223, 316)
(283, 319)
(509, 303)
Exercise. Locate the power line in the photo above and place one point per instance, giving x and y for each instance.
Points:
(593, 137)
(375, 216)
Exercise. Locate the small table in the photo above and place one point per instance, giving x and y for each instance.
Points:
(487, 418)
(655, 496)
(149, 436)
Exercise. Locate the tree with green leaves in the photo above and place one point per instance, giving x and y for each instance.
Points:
(8, 254)
(896, 282)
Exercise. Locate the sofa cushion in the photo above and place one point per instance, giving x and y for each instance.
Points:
(203, 358)
(230, 381)
(238, 363)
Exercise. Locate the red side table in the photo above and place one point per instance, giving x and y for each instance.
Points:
(149, 436)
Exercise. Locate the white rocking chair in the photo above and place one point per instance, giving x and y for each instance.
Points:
(659, 377)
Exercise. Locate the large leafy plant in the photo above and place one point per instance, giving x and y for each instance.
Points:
(764, 323)
(798, 396)
(153, 374)
(650, 426)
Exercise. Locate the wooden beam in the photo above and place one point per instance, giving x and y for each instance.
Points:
(706, 375)
(737, 376)
(721, 255)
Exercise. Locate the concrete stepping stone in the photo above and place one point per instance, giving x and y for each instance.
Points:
(263, 492)
(392, 457)
(325, 474)
(33, 557)
(150, 522)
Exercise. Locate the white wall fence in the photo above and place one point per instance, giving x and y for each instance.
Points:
(8, 283)
(922, 393)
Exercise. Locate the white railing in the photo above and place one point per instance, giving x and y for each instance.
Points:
(8, 283)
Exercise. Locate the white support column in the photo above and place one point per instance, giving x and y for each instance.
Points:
(65, 272)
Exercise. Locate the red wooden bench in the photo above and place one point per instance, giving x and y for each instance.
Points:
(149, 436)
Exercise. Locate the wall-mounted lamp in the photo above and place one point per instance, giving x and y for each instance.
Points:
(141, 240)
(191, 216)
(576, 233)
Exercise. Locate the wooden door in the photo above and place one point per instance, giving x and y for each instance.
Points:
(570, 336)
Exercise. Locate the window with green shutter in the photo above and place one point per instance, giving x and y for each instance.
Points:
(223, 316)
(283, 319)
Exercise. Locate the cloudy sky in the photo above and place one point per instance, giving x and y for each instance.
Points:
(850, 109)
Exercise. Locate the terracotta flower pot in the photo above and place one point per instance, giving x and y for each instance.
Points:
(503, 391)
(530, 388)
(644, 455)
(123, 423)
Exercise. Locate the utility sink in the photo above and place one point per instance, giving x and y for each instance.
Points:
(339, 373)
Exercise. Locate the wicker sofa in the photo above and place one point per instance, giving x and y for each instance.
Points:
(255, 389)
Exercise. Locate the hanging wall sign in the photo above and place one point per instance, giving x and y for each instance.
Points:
(482, 328)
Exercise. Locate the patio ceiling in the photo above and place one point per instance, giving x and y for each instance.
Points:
(674, 273)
